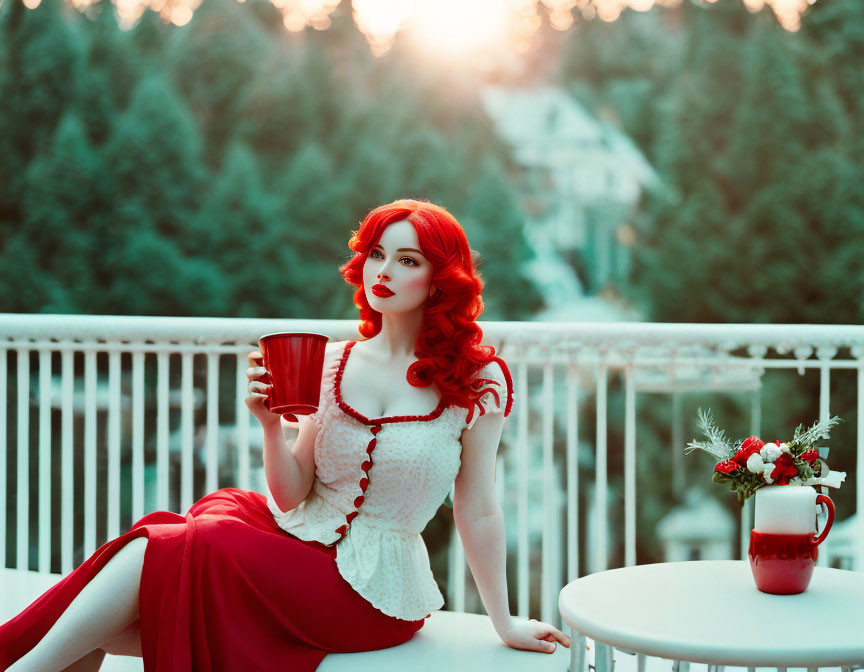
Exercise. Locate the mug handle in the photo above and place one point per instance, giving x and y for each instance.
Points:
(826, 500)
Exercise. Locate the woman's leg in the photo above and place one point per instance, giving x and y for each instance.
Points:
(89, 663)
(105, 607)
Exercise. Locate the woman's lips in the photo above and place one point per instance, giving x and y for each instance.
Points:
(382, 290)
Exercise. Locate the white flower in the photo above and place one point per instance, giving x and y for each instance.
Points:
(767, 472)
(755, 464)
(832, 479)
(770, 452)
(785, 447)
(796, 481)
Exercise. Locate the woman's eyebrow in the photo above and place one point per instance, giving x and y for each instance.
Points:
(404, 249)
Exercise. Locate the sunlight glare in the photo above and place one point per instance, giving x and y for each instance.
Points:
(609, 10)
(181, 15)
(380, 20)
(463, 28)
(298, 14)
(457, 27)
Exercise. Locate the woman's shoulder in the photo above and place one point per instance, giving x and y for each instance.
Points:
(334, 349)
(496, 370)
(495, 385)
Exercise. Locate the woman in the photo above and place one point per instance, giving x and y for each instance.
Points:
(244, 581)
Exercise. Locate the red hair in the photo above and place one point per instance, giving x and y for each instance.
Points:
(448, 349)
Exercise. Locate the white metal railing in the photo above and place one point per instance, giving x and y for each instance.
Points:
(555, 367)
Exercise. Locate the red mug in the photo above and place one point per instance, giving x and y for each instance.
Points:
(294, 363)
(782, 564)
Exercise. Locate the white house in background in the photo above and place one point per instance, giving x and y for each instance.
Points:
(700, 529)
(580, 186)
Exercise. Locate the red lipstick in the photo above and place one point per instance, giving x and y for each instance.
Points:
(382, 290)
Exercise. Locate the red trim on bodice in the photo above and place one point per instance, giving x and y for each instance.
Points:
(337, 389)
(376, 423)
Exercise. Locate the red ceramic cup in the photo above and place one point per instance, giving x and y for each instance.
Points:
(782, 564)
(294, 363)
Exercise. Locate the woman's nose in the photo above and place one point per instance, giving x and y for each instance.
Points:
(383, 276)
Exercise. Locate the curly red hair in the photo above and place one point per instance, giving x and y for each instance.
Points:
(448, 349)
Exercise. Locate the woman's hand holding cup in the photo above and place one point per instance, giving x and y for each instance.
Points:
(259, 386)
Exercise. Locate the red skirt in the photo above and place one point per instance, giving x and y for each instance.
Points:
(225, 588)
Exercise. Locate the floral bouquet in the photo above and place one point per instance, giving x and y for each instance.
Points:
(749, 464)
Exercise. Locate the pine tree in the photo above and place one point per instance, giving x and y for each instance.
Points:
(64, 218)
(495, 229)
(154, 159)
(112, 69)
(239, 231)
(212, 60)
(41, 57)
(316, 219)
(154, 163)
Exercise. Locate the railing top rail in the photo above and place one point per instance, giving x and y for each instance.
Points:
(606, 336)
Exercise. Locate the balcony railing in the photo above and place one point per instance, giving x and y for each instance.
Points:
(140, 403)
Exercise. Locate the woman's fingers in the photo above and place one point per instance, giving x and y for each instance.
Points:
(553, 635)
(560, 636)
(259, 387)
(254, 372)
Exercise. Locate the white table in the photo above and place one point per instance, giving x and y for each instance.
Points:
(711, 612)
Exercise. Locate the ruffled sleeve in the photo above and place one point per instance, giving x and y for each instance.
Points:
(495, 382)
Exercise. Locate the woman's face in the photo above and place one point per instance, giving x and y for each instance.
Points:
(397, 263)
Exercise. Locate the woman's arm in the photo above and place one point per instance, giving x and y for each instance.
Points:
(480, 522)
(290, 473)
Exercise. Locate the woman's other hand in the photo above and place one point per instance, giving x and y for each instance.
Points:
(259, 385)
(533, 635)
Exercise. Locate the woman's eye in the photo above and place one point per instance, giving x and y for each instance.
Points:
(375, 254)
(410, 260)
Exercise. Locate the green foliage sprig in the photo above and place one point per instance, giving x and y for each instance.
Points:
(745, 466)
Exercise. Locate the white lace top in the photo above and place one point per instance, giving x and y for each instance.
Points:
(378, 482)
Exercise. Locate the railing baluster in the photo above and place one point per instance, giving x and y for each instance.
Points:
(629, 468)
(114, 502)
(241, 413)
(212, 480)
(23, 485)
(859, 468)
(523, 583)
(824, 388)
(137, 435)
(600, 488)
(44, 530)
(746, 515)
(67, 461)
(187, 451)
(4, 452)
(824, 354)
(678, 480)
(90, 463)
(163, 500)
(572, 474)
(548, 593)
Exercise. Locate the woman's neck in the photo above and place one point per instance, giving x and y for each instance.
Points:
(398, 336)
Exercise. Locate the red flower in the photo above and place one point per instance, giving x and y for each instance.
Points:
(810, 456)
(784, 469)
(727, 467)
(751, 445)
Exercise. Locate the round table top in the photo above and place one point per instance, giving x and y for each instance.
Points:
(710, 611)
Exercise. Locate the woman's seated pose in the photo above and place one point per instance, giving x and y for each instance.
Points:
(331, 560)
